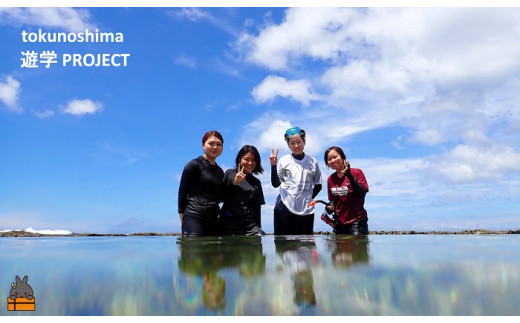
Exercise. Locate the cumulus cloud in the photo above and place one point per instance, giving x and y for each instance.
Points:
(69, 19)
(267, 132)
(319, 33)
(82, 107)
(447, 76)
(10, 94)
(468, 163)
(271, 130)
(273, 86)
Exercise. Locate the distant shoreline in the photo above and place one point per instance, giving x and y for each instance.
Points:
(151, 234)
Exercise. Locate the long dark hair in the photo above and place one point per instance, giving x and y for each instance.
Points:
(338, 150)
(250, 149)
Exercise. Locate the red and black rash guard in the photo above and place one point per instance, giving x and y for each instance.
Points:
(348, 194)
(200, 189)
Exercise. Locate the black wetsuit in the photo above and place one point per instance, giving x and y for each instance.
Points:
(241, 212)
(200, 192)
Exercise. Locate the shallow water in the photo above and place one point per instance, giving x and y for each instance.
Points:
(295, 275)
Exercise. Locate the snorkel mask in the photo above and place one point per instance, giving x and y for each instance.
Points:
(294, 131)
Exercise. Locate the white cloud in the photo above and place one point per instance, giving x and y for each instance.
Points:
(468, 164)
(69, 19)
(109, 154)
(319, 33)
(197, 15)
(44, 114)
(186, 61)
(271, 133)
(82, 107)
(273, 86)
(193, 14)
(10, 94)
(448, 76)
(396, 177)
(444, 80)
(267, 132)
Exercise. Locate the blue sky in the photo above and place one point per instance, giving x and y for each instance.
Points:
(424, 100)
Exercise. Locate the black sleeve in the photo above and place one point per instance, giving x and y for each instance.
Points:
(358, 189)
(190, 175)
(228, 187)
(261, 201)
(316, 190)
(275, 181)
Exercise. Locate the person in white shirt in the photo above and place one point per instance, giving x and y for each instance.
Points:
(299, 178)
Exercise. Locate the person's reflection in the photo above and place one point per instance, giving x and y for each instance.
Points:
(214, 291)
(200, 256)
(244, 253)
(299, 255)
(347, 250)
(205, 256)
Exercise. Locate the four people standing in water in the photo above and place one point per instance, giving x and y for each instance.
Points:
(204, 186)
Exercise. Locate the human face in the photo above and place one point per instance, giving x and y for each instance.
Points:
(248, 162)
(212, 147)
(296, 145)
(335, 161)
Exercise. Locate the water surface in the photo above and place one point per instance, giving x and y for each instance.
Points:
(292, 275)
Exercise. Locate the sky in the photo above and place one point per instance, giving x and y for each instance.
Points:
(425, 101)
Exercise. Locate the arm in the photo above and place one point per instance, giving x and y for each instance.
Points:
(316, 190)
(275, 180)
(273, 159)
(189, 177)
(359, 190)
(261, 201)
(332, 199)
(317, 180)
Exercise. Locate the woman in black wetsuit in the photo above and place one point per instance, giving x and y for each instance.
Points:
(241, 212)
(201, 189)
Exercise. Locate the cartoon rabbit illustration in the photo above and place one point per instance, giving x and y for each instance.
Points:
(21, 289)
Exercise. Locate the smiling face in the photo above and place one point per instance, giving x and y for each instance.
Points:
(248, 161)
(212, 147)
(335, 161)
(296, 145)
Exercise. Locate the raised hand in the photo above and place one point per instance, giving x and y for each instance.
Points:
(239, 177)
(346, 170)
(274, 157)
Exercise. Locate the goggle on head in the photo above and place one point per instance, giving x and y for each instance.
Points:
(294, 131)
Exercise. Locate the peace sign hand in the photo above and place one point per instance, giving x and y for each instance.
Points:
(346, 170)
(239, 177)
(274, 157)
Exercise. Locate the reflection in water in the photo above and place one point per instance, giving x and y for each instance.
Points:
(347, 250)
(299, 255)
(204, 257)
(268, 275)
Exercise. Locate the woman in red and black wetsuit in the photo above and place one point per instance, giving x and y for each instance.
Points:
(346, 189)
